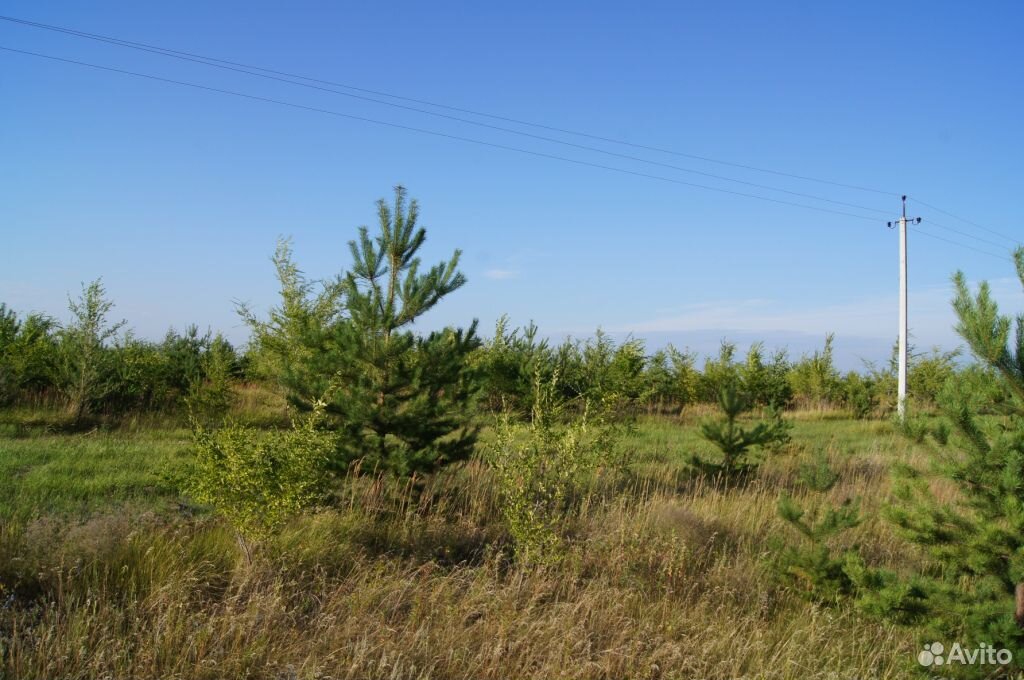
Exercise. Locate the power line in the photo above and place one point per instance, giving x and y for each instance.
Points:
(294, 79)
(210, 62)
(435, 133)
(611, 140)
(932, 222)
(922, 232)
(473, 141)
(1012, 239)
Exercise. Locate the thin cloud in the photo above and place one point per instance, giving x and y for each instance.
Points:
(931, 316)
(501, 274)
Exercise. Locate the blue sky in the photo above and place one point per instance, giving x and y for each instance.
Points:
(176, 196)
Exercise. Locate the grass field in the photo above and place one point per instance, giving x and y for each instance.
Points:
(108, 573)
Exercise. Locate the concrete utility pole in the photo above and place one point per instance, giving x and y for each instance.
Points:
(901, 400)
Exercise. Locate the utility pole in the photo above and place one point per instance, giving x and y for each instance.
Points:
(901, 399)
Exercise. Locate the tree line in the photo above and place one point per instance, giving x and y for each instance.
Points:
(91, 367)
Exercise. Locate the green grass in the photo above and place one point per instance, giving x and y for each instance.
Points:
(80, 474)
(665, 578)
(84, 474)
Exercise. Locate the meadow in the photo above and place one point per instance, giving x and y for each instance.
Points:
(347, 498)
(109, 572)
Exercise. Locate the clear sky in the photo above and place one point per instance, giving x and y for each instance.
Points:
(175, 196)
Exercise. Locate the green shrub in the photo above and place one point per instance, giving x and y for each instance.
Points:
(858, 395)
(914, 428)
(85, 367)
(766, 382)
(257, 480)
(940, 432)
(720, 373)
(815, 380)
(209, 394)
(817, 475)
(507, 364)
(542, 467)
(27, 354)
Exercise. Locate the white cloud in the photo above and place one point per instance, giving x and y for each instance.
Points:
(501, 274)
(931, 316)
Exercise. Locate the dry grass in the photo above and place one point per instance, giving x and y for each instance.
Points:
(665, 577)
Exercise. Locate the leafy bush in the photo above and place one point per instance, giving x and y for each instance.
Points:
(927, 375)
(257, 480)
(507, 364)
(766, 382)
(815, 380)
(542, 467)
(85, 358)
(27, 354)
(209, 394)
(914, 428)
(720, 373)
(858, 395)
(296, 347)
(672, 379)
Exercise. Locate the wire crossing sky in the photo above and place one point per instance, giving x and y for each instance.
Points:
(166, 150)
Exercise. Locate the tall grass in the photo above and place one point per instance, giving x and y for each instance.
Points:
(665, 576)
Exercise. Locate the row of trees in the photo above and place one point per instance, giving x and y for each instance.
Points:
(88, 366)
(669, 379)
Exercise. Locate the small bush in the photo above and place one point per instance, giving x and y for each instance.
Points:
(541, 468)
(258, 480)
(914, 428)
(940, 432)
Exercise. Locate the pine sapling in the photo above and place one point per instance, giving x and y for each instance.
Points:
(733, 441)
(814, 567)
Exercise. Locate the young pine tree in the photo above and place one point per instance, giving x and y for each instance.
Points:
(976, 540)
(400, 401)
(403, 400)
(735, 442)
(814, 567)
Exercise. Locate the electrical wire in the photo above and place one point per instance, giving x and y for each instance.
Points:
(517, 121)
(928, 222)
(496, 145)
(922, 232)
(210, 62)
(435, 133)
(1011, 239)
